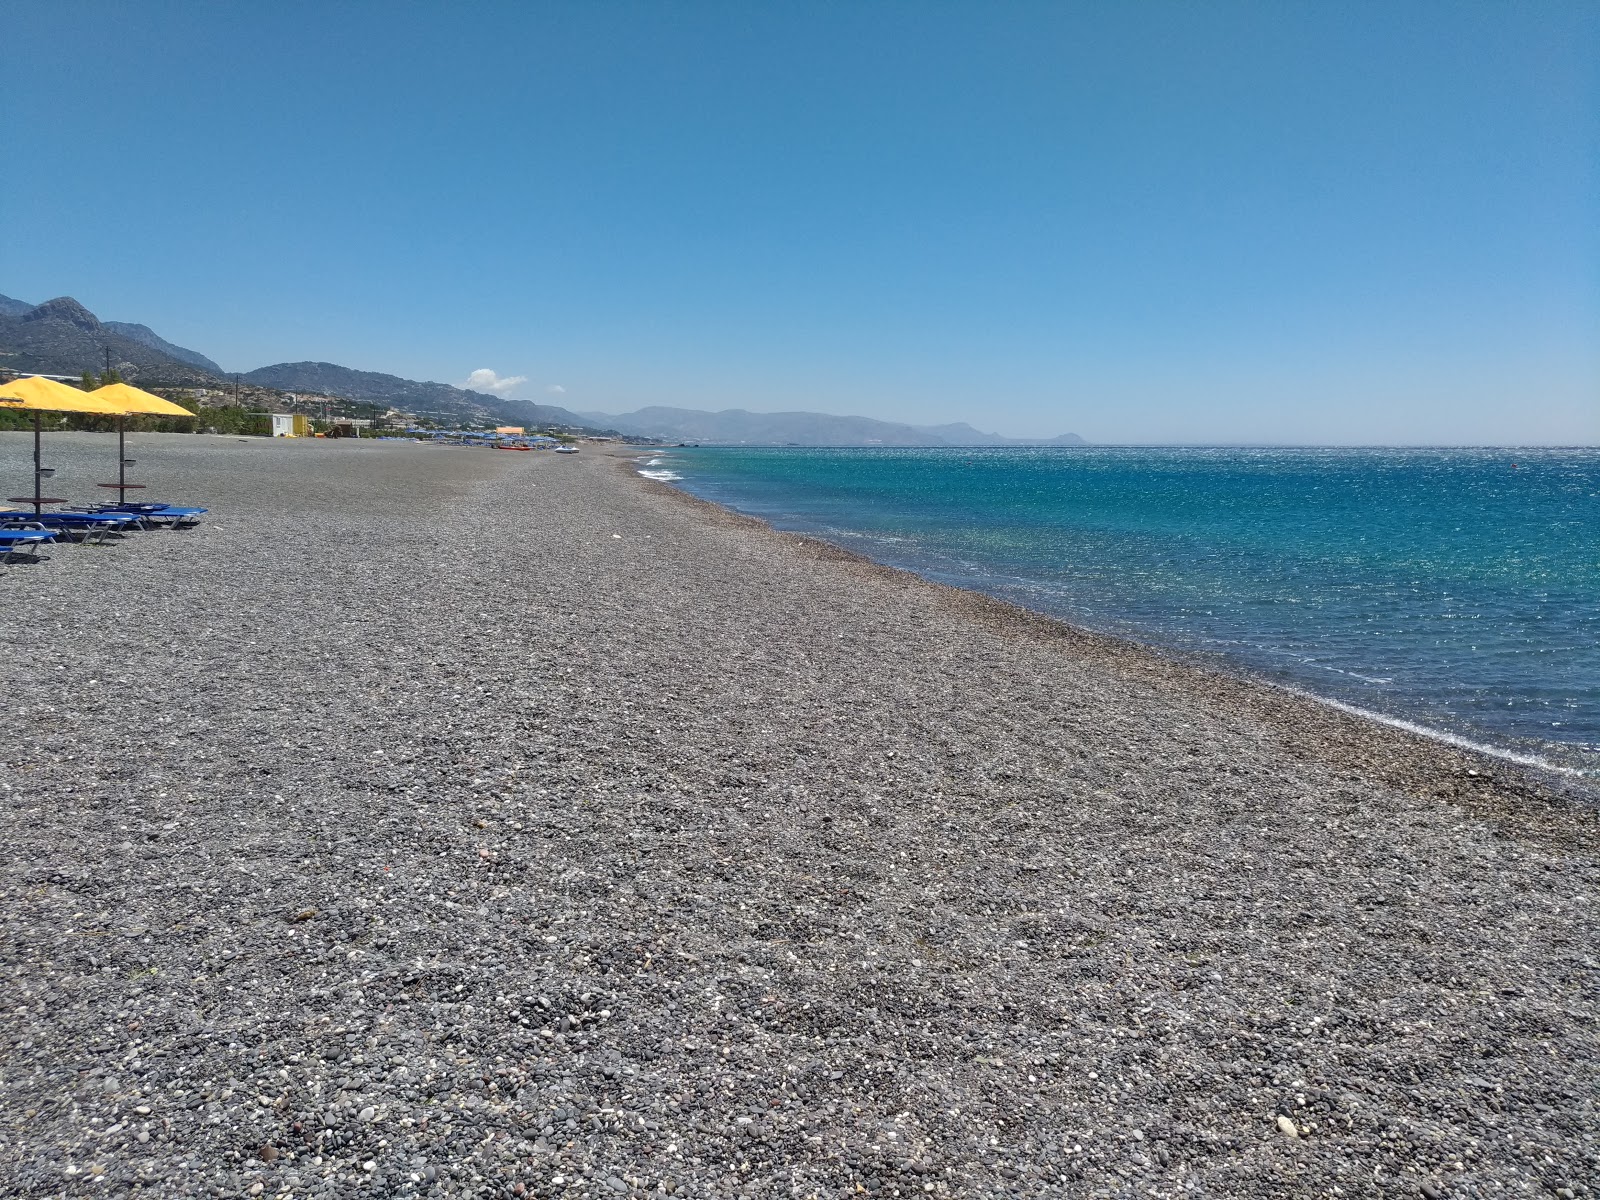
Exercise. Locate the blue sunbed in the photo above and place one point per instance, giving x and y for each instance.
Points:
(157, 514)
(14, 540)
(83, 525)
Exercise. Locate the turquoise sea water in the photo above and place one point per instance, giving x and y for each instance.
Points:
(1455, 589)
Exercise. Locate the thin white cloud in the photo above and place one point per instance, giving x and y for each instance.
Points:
(555, 389)
(485, 380)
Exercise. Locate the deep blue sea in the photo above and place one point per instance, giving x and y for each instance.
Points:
(1458, 590)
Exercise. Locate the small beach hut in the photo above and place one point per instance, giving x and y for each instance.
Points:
(39, 395)
(289, 425)
(133, 400)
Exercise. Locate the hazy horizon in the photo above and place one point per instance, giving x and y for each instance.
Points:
(1331, 224)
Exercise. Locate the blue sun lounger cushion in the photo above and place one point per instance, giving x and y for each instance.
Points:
(169, 514)
(15, 540)
(84, 525)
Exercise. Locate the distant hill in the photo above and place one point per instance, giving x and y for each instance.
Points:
(735, 425)
(426, 399)
(962, 434)
(146, 336)
(13, 308)
(62, 337)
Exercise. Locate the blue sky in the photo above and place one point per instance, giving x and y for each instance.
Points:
(1302, 222)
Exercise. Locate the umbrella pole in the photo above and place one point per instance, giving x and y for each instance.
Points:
(122, 461)
(38, 495)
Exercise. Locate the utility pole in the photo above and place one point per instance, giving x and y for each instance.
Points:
(108, 359)
(236, 389)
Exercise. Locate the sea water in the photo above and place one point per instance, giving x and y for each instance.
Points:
(1455, 589)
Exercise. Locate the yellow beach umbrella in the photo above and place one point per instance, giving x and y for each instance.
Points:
(39, 395)
(133, 400)
(136, 400)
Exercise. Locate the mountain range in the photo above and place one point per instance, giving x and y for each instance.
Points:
(411, 395)
(63, 337)
(146, 336)
(801, 429)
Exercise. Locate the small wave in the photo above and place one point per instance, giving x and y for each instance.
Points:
(1311, 662)
(661, 476)
(1443, 735)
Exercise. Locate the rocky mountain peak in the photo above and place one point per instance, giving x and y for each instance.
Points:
(64, 308)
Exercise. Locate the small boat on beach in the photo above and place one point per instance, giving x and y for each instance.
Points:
(566, 449)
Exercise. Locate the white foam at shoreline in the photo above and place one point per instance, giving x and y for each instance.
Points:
(1442, 735)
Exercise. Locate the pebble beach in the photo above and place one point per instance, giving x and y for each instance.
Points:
(447, 822)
